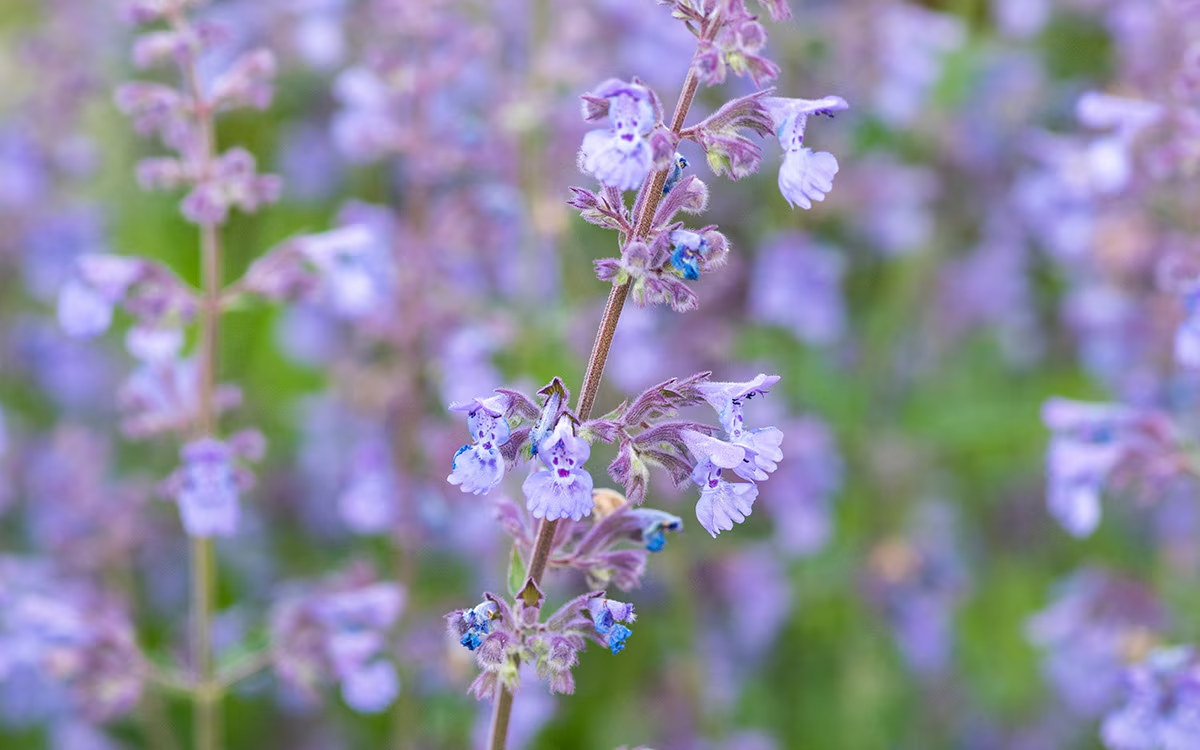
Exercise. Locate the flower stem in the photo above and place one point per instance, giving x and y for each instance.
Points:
(206, 693)
(591, 383)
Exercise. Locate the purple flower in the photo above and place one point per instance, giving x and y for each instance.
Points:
(337, 633)
(371, 688)
(1085, 634)
(208, 489)
(1162, 709)
(729, 401)
(689, 250)
(722, 503)
(478, 468)
(620, 156)
(797, 284)
(607, 616)
(805, 176)
(85, 304)
(1089, 442)
(471, 625)
(565, 489)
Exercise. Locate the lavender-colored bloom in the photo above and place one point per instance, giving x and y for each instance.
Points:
(85, 304)
(1085, 634)
(722, 503)
(352, 264)
(797, 284)
(368, 502)
(805, 176)
(337, 633)
(478, 468)
(208, 489)
(565, 489)
(912, 42)
(799, 500)
(1162, 709)
(371, 688)
(1088, 443)
(620, 156)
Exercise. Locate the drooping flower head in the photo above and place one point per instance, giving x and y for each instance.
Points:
(564, 490)
(729, 401)
(805, 176)
(620, 156)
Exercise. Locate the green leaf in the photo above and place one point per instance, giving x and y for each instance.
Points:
(516, 573)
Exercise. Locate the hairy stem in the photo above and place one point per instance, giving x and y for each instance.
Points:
(591, 382)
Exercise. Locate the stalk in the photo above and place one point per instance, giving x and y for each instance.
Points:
(206, 693)
(591, 383)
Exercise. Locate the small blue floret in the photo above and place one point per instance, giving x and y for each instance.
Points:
(471, 639)
(616, 638)
(656, 540)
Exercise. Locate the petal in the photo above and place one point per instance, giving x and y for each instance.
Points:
(477, 469)
(551, 498)
(806, 176)
(719, 508)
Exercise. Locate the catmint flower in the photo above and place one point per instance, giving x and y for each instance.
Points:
(471, 625)
(208, 489)
(678, 164)
(722, 503)
(728, 399)
(689, 249)
(1162, 709)
(86, 303)
(479, 467)
(371, 688)
(621, 156)
(655, 524)
(608, 616)
(565, 489)
(232, 182)
(805, 176)
(1089, 443)
(338, 633)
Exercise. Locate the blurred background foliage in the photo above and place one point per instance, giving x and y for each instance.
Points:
(922, 410)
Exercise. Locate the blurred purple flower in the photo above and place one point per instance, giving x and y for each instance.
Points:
(335, 631)
(1162, 709)
(797, 284)
(1086, 632)
(207, 490)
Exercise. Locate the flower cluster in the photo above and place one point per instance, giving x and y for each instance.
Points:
(337, 633)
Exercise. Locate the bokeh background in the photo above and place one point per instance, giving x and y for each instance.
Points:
(970, 262)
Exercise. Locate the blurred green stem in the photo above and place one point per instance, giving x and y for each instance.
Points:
(206, 695)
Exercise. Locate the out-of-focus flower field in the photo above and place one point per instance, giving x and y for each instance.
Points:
(251, 251)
